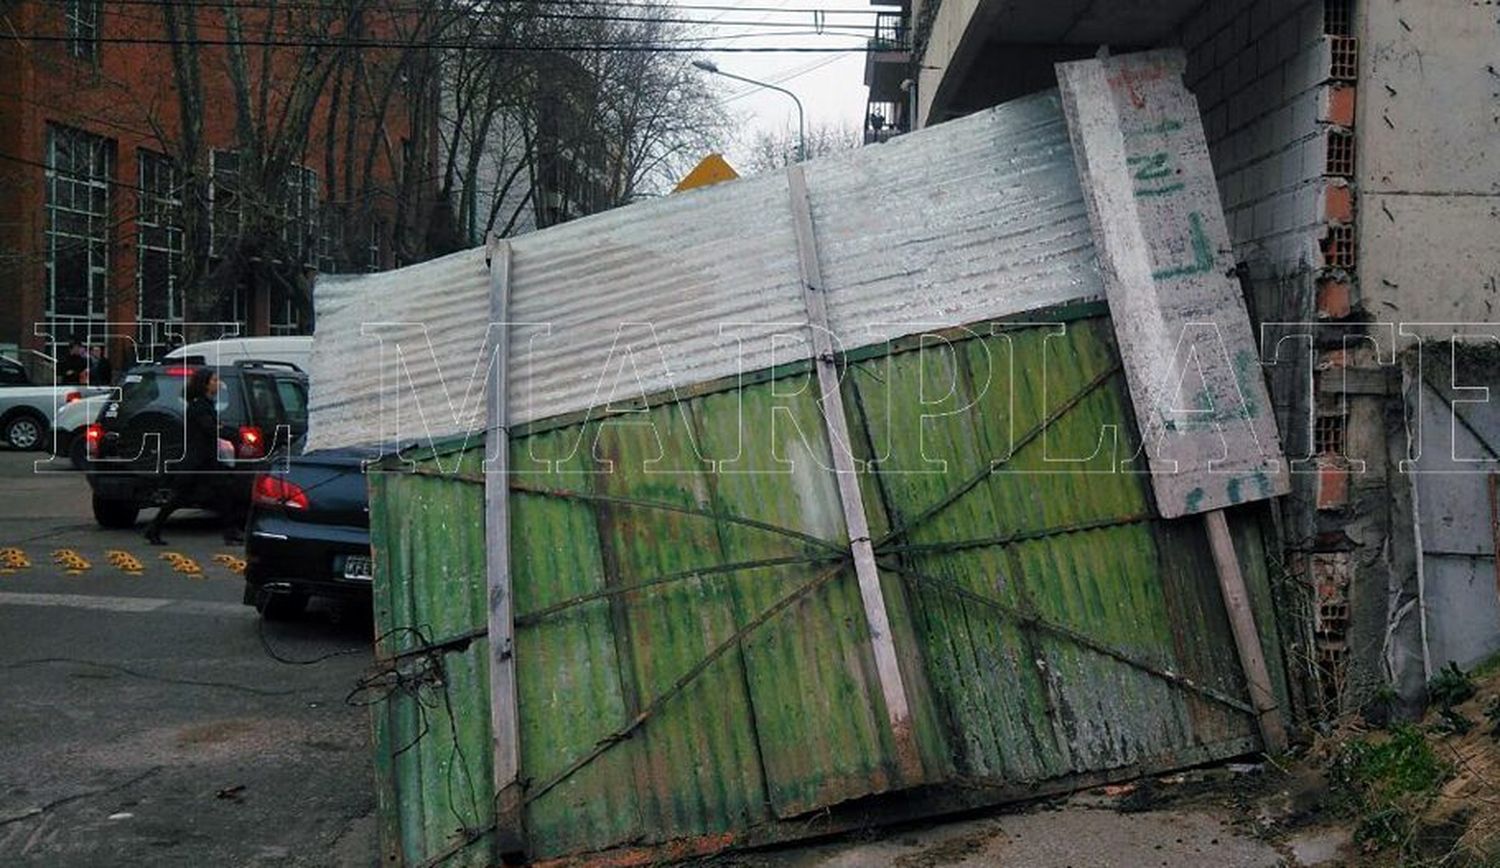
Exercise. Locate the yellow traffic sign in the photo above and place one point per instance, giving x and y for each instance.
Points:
(712, 170)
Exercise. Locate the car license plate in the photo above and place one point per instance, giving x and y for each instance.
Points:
(358, 567)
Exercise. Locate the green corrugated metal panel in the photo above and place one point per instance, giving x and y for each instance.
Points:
(433, 733)
(812, 664)
(569, 679)
(1068, 708)
(698, 773)
(791, 719)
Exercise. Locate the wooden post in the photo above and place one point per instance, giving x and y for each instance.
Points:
(887, 668)
(1246, 636)
(504, 727)
(1494, 484)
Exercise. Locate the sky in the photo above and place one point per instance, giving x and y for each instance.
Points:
(831, 86)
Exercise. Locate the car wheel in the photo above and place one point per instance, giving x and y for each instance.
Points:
(115, 513)
(280, 607)
(25, 431)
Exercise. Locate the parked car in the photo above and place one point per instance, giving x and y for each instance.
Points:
(27, 409)
(309, 533)
(263, 404)
(72, 419)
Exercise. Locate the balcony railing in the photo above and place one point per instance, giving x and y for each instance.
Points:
(883, 121)
(891, 33)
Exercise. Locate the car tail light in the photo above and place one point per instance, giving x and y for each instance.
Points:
(275, 491)
(252, 443)
(72, 396)
(178, 371)
(93, 436)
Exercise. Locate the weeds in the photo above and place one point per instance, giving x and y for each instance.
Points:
(1385, 783)
(1451, 686)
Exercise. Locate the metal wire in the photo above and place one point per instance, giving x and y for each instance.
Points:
(1039, 623)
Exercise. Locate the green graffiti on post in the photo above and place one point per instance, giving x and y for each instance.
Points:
(1203, 252)
(1151, 168)
(1161, 129)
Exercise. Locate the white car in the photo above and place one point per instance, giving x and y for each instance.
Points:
(27, 410)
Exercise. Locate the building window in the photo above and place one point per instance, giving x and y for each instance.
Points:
(224, 199)
(82, 18)
(330, 240)
(286, 314)
(78, 177)
(377, 233)
(299, 215)
(159, 248)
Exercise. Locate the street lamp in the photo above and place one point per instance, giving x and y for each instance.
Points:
(709, 66)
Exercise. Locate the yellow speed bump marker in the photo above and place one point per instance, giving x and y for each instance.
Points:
(230, 562)
(72, 562)
(181, 563)
(12, 559)
(125, 562)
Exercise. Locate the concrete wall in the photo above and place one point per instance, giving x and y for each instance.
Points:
(944, 40)
(1429, 154)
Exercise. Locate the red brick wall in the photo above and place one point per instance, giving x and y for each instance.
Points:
(130, 98)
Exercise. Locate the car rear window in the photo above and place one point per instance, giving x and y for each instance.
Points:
(266, 409)
(164, 391)
(139, 391)
(294, 401)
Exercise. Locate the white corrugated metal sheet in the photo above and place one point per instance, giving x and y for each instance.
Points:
(971, 220)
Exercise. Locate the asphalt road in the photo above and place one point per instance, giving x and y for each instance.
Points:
(142, 720)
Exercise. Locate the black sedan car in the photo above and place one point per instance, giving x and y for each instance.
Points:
(309, 533)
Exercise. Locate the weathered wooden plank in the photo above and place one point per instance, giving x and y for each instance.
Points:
(887, 667)
(504, 725)
(1246, 637)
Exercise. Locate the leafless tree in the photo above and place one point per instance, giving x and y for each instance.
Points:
(777, 150)
(536, 137)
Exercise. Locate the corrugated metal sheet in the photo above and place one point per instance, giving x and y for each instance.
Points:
(978, 219)
(790, 721)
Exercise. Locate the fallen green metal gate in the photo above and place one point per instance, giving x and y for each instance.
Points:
(693, 663)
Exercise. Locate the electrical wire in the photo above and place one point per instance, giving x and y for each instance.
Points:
(304, 5)
(265, 643)
(472, 45)
(689, 24)
(529, 16)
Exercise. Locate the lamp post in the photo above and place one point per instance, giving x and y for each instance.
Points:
(709, 66)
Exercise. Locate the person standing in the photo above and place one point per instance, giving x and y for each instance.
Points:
(197, 477)
(72, 367)
(101, 372)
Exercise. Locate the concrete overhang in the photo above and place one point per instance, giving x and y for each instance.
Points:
(963, 31)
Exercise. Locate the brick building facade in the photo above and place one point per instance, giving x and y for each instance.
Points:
(91, 226)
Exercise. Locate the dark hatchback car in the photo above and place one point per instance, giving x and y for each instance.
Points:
(262, 413)
(309, 533)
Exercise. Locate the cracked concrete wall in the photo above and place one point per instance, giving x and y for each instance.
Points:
(1429, 161)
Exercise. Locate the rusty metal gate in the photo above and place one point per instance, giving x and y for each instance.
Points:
(693, 666)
